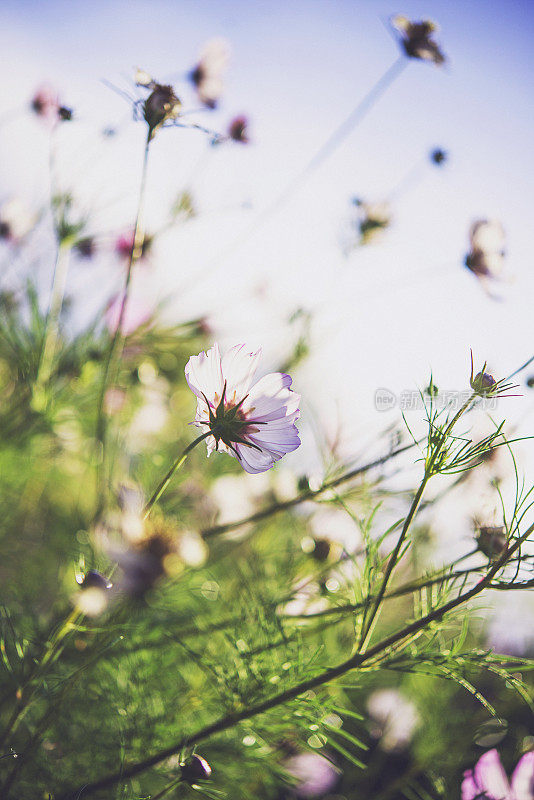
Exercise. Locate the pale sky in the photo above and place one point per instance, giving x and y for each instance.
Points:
(389, 313)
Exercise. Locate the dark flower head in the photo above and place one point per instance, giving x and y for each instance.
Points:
(237, 130)
(438, 156)
(93, 579)
(195, 769)
(85, 247)
(483, 383)
(530, 382)
(486, 255)
(64, 113)
(372, 219)
(321, 549)
(161, 105)
(416, 39)
(491, 540)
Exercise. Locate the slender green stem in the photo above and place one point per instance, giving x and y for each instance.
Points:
(166, 789)
(117, 339)
(48, 351)
(357, 660)
(166, 480)
(367, 626)
(368, 623)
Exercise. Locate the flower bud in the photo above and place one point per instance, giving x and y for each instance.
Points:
(416, 39)
(64, 113)
(321, 549)
(438, 156)
(143, 78)
(160, 106)
(483, 383)
(491, 541)
(237, 130)
(195, 769)
(85, 247)
(93, 579)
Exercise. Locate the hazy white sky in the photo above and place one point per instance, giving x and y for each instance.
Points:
(390, 312)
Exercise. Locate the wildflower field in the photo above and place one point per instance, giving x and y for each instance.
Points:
(266, 374)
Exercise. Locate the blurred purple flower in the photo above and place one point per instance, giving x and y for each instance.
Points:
(253, 422)
(395, 719)
(314, 774)
(485, 258)
(416, 39)
(125, 242)
(16, 220)
(207, 76)
(488, 781)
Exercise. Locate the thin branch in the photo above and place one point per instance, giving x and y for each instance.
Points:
(309, 494)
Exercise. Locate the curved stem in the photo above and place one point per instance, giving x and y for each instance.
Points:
(166, 480)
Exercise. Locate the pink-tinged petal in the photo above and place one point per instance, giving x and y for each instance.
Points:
(203, 373)
(523, 778)
(239, 368)
(491, 778)
(470, 791)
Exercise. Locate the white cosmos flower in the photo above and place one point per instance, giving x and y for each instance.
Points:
(254, 422)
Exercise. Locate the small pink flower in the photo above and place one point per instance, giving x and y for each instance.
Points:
(45, 103)
(487, 251)
(488, 781)
(253, 422)
(314, 774)
(124, 245)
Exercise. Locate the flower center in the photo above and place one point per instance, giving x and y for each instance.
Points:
(228, 422)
